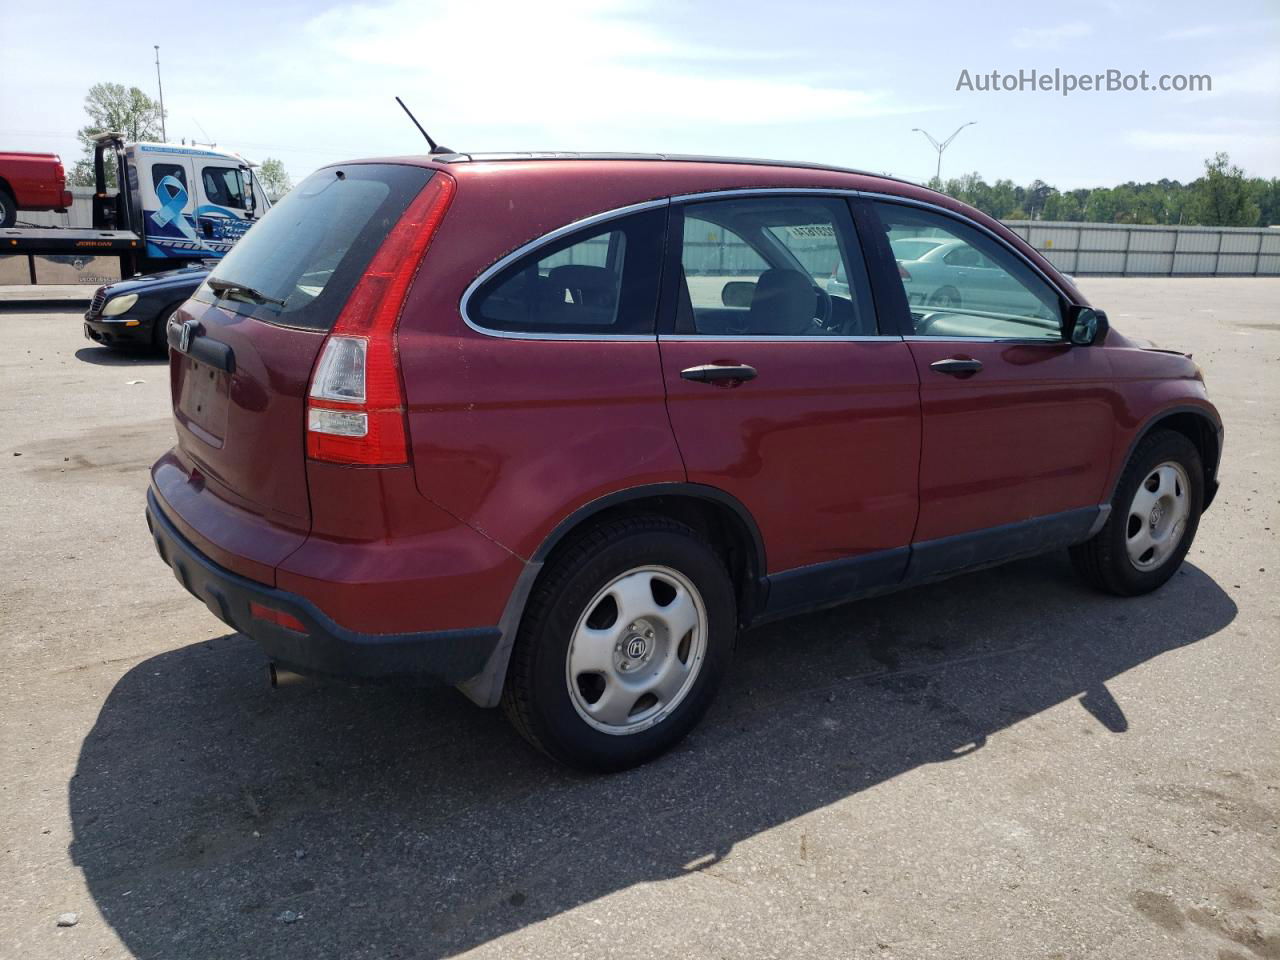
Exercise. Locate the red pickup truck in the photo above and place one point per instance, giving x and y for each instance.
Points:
(31, 181)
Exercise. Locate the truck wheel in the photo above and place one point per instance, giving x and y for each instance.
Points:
(8, 209)
(625, 640)
(1154, 515)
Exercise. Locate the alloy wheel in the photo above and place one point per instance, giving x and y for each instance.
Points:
(637, 650)
(1158, 515)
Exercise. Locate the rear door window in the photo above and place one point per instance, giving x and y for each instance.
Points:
(602, 280)
(309, 250)
(772, 266)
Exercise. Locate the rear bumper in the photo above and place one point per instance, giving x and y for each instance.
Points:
(325, 648)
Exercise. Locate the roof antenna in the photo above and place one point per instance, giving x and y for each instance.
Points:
(435, 148)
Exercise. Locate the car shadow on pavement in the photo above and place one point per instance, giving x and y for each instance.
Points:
(213, 816)
(131, 357)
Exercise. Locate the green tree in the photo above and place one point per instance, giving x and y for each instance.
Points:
(274, 178)
(114, 108)
(1221, 198)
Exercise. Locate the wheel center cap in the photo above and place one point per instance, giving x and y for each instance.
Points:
(637, 647)
(1157, 514)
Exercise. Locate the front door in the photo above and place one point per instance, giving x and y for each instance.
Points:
(783, 391)
(1017, 422)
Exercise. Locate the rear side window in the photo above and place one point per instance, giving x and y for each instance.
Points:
(309, 250)
(601, 280)
(169, 179)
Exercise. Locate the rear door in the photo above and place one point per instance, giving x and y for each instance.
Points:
(784, 392)
(1017, 421)
(242, 357)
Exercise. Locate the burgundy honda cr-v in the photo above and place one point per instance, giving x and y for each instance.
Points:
(554, 428)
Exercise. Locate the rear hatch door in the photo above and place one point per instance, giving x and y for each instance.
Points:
(243, 347)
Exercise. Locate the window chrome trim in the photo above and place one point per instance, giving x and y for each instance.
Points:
(768, 338)
(532, 246)
(728, 194)
(872, 195)
(1030, 341)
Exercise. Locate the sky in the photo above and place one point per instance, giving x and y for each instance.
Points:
(836, 82)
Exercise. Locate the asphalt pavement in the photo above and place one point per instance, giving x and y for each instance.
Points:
(1005, 765)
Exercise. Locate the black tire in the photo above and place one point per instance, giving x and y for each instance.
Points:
(536, 695)
(8, 209)
(946, 297)
(159, 328)
(1104, 562)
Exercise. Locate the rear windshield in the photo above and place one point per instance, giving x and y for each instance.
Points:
(298, 265)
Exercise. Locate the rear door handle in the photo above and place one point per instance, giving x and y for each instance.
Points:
(956, 366)
(712, 372)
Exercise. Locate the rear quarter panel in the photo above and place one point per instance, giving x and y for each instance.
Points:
(512, 435)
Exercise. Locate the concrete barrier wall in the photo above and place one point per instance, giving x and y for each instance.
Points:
(1121, 250)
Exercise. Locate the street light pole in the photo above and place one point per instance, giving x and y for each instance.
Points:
(163, 135)
(943, 145)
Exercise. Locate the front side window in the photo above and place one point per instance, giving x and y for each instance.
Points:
(964, 283)
(772, 266)
(602, 280)
(223, 186)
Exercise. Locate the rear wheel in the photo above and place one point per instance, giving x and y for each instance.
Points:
(8, 209)
(623, 645)
(1154, 516)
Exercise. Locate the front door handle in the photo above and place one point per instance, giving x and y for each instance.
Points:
(957, 366)
(713, 372)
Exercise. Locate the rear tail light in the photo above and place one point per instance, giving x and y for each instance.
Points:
(902, 271)
(356, 404)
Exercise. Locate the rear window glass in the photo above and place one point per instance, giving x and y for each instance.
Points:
(603, 280)
(306, 254)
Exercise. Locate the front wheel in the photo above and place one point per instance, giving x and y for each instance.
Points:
(1154, 516)
(623, 645)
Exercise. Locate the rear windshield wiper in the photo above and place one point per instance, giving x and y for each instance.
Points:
(223, 287)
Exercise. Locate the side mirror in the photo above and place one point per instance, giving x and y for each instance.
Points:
(738, 293)
(250, 202)
(1085, 326)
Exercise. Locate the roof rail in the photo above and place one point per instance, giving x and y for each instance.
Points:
(676, 157)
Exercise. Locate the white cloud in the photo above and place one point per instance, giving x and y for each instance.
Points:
(1259, 77)
(581, 63)
(1203, 30)
(1049, 38)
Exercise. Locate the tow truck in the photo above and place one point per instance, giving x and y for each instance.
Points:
(176, 205)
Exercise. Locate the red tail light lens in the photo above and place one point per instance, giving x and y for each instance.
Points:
(902, 271)
(356, 404)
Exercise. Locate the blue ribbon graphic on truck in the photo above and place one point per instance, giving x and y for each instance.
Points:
(173, 197)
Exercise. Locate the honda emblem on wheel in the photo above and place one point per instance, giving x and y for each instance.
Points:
(636, 648)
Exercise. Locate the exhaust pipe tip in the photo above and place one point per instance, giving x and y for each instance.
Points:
(282, 677)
